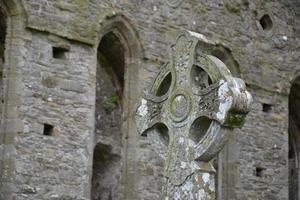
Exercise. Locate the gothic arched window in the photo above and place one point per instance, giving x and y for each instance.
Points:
(294, 139)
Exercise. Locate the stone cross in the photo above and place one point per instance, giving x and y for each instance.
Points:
(188, 113)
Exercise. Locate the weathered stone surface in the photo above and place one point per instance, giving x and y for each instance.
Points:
(195, 101)
(267, 59)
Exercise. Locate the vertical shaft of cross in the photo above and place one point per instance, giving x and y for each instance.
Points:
(200, 185)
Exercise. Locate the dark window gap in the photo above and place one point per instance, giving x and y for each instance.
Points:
(267, 108)
(48, 130)
(259, 171)
(59, 52)
(266, 22)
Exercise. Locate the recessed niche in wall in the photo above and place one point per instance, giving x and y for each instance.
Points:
(267, 108)
(59, 52)
(259, 171)
(48, 130)
(266, 22)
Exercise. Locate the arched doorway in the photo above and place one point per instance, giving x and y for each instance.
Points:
(11, 28)
(107, 162)
(294, 139)
(114, 160)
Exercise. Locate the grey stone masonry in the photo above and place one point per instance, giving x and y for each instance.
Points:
(47, 135)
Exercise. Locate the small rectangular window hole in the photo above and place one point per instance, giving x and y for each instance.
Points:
(259, 171)
(59, 52)
(48, 130)
(266, 107)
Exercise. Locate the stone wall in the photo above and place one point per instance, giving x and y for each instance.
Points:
(55, 162)
(3, 25)
(58, 91)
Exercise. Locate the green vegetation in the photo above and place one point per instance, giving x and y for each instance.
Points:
(111, 103)
(233, 8)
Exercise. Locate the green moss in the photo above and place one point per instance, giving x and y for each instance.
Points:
(82, 4)
(110, 104)
(203, 8)
(255, 12)
(235, 120)
(266, 66)
(233, 8)
(262, 4)
(114, 99)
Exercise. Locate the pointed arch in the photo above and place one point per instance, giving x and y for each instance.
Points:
(12, 26)
(119, 55)
(294, 140)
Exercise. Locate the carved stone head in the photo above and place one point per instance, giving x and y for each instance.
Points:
(191, 106)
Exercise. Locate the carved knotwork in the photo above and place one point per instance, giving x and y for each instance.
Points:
(197, 101)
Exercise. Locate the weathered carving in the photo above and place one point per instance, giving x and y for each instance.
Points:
(198, 102)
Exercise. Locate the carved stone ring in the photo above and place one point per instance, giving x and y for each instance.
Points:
(191, 106)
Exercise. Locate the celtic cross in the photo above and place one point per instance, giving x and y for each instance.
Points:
(188, 113)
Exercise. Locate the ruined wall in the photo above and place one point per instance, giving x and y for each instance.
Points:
(55, 162)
